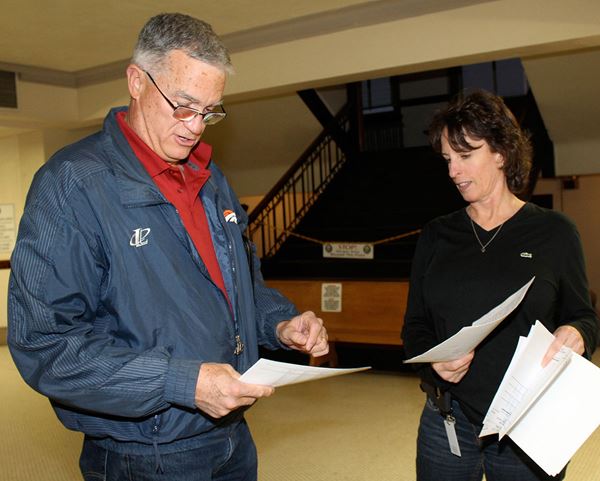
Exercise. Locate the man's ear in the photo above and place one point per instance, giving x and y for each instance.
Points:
(135, 83)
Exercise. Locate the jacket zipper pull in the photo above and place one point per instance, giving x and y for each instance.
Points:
(239, 345)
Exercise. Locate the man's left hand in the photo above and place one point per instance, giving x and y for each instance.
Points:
(304, 333)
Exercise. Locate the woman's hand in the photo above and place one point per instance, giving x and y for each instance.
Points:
(564, 336)
(453, 371)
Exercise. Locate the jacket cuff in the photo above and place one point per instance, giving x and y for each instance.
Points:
(271, 333)
(273, 340)
(182, 377)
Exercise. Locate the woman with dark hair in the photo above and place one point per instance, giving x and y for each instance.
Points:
(469, 261)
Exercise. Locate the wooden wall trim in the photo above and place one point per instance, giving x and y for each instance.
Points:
(4, 264)
(372, 311)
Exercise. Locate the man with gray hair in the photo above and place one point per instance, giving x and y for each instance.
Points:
(132, 303)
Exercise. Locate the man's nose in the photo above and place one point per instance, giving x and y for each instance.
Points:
(196, 125)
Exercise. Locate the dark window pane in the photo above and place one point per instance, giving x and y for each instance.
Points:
(480, 75)
(510, 78)
(8, 90)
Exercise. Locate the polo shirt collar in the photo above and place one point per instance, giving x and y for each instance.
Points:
(199, 156)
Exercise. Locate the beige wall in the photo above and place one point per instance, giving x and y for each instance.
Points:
(566, 89)
(9, 180)
(20, 157)
(582, 205)
(95, 100)
(259, 141)
(579, 156)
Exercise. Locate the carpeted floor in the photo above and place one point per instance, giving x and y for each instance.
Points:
(359, 427)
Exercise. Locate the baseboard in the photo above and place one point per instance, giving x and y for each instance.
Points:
(3, 331)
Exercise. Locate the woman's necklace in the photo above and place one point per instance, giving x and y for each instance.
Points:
(483, 246)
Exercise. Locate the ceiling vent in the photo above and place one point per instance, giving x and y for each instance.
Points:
(8, 89)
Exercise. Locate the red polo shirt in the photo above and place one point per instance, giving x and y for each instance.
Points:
(181, 184)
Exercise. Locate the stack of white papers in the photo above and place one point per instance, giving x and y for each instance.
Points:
(549, 412)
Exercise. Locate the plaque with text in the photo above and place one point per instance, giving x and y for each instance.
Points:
(8, 233)
(348, 250)
(331, 297)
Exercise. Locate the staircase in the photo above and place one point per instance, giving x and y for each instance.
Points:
(357, 184)
(276, 217)
(369, 201)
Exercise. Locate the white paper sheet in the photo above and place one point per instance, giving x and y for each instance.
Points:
(524, 380)
(274, 373)
(468, 338)
(560, 421)
(548, 412)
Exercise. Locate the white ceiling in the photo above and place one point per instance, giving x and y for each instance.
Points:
(72, 42)
(74, 35)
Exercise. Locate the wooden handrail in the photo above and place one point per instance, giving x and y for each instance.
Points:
(280, 211)
(268, 198)
(285, 178)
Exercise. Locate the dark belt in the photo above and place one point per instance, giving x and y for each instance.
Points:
(440, 398)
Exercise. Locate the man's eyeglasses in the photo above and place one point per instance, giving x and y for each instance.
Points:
(185, 114)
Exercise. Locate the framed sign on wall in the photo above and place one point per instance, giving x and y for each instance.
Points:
(8, 231)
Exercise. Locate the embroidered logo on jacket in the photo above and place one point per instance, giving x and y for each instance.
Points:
(230, 216)
(527, 255)
(139, 237)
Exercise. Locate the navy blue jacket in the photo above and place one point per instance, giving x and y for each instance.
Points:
(111, 309)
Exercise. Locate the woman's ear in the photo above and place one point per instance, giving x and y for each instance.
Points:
(499, 160)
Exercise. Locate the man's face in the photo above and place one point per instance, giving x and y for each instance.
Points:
(184, 81)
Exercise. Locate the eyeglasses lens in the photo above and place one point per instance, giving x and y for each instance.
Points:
(185, 114)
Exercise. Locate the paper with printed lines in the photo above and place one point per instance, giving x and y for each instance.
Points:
(274, 373)
(469, 337)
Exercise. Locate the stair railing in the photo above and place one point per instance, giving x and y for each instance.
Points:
(280, 211)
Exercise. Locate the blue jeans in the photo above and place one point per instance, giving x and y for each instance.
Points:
(500, 460)
(228, 455)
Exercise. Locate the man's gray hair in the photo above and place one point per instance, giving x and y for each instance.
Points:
(166, 32)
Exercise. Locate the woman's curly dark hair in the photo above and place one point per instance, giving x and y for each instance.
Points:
(482, 115)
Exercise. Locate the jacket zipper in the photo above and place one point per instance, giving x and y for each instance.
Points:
(155, 429)
(239, 345)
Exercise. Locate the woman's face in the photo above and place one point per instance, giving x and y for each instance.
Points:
(477, 174)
